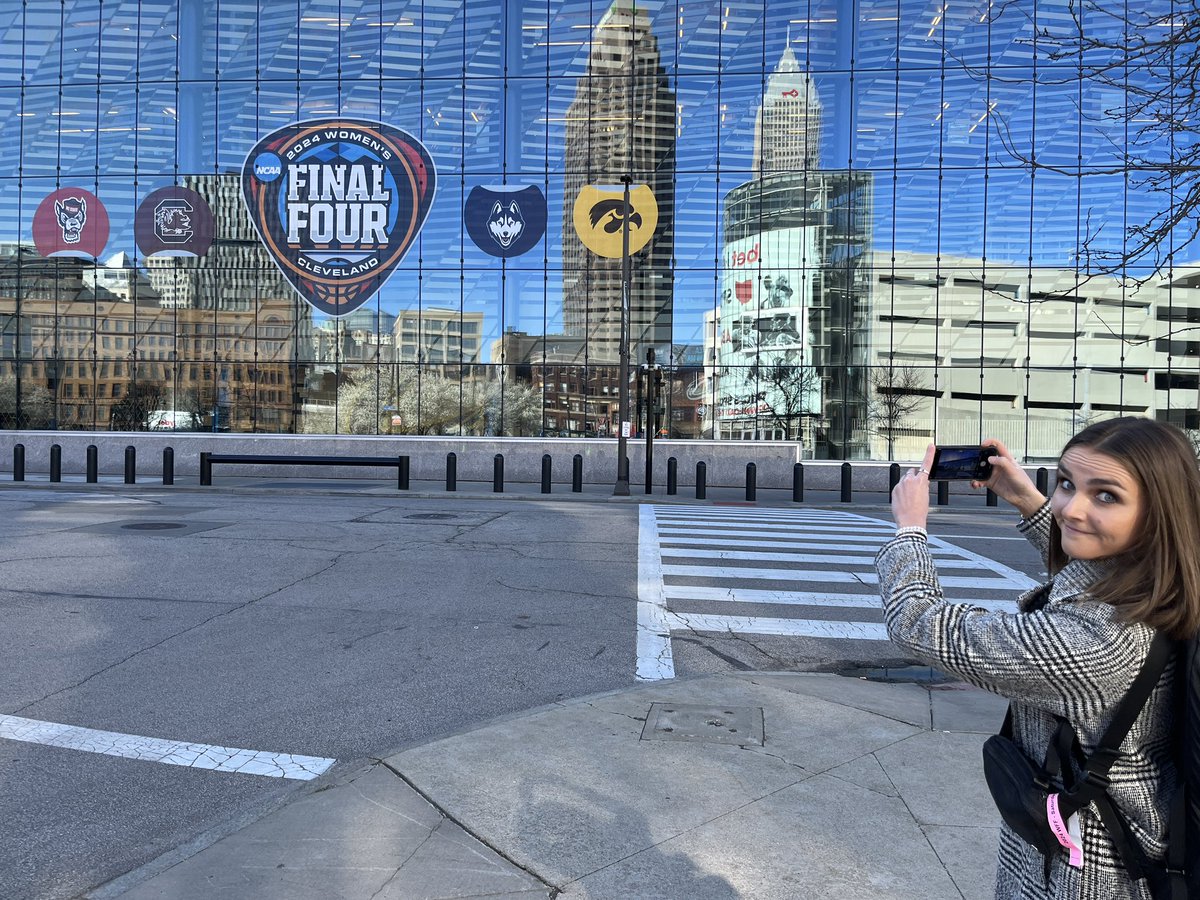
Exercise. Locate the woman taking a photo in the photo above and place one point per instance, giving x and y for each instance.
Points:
(1121, 540)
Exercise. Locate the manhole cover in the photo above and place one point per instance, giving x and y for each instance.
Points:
(431, 516)
(153, 526)
(740, 725)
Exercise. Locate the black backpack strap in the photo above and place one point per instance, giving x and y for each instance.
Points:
(1108, 750)
(1175, 874)
(1092, 786)
(1093, 781)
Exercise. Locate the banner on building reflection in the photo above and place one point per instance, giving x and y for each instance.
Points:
(505, 220)
(173, 221)
(601, 216)
(70, 222)
(768, 282)
(337, 203)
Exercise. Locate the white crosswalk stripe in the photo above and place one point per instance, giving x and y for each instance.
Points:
(692, 561)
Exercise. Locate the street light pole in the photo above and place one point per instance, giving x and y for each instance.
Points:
(621, 489)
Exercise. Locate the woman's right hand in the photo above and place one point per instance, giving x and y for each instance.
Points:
(1010, 482)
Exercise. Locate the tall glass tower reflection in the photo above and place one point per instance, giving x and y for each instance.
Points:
(621, 122)
(792, 341)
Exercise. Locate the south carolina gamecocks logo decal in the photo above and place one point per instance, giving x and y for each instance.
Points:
(337, 203)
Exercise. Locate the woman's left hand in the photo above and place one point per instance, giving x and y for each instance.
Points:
(910, 499)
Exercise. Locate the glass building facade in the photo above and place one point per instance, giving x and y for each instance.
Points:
(876, 221)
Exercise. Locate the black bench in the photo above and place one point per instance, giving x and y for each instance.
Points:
(207, 460)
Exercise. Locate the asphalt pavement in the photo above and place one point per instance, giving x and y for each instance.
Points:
(777, 784)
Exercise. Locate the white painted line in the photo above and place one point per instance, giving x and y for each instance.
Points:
(819, 575)
(1019, 579)
(175, 753)
(774, 524)
(982, 537)
(808, 598)
(763, 516)
(749, 512)
(861, 631)
(789, 575)
(655, 659)
(770, 539)
(833, 559)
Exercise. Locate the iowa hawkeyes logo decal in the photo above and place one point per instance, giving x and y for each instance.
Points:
(601, 217)
(337, 203)
(615, 214)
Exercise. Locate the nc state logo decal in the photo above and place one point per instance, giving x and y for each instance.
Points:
(337, 203)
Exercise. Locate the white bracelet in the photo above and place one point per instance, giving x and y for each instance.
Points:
(912, 529)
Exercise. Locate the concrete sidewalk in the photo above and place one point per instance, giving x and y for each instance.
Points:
(756, 785)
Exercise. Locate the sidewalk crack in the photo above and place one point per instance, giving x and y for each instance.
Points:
(447, 817)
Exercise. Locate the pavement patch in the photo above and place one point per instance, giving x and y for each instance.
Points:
(740, 725)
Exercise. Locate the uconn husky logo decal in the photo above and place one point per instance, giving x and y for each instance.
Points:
(337, 203)
(506, 224)
(505, 220)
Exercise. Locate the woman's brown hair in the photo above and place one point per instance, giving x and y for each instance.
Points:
(1158, 580)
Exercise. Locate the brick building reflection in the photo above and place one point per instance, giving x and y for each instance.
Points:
(220, 341)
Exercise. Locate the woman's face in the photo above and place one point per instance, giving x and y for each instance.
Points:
(1097, 504)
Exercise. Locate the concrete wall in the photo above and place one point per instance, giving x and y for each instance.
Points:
(725, 460)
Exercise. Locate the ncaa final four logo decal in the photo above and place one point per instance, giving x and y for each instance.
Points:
(337, 203)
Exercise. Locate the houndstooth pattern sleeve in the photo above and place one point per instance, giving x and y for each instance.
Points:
(1071, 658)
(1037, 530)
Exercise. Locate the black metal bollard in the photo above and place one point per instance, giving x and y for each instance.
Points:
(130, 464)
(798, 483)
(205, 468)
(18, 462)
(751, 481)
(498, 473)
(402, 473)
(451, 472)
(991, 497)
(546, 464)
(893, 476)
(92, 464)
(577, 474)
(847, 482)
(55, 462)
(701, 478)
(168, 465)
(1043, 480)
(672, 476)
(943, 497)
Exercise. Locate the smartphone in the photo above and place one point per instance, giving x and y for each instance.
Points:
(962, 463)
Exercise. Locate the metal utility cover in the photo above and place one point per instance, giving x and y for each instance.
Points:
(407, 515)
(333, 484)
(739, 725)
(150, 528)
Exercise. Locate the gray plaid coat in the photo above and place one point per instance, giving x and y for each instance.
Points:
(1071, 658)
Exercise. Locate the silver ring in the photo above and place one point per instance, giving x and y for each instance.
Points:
(923, 470)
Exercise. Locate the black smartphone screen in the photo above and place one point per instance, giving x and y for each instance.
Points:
(961, 463)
